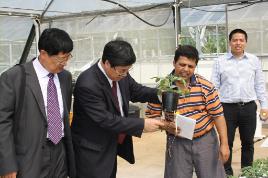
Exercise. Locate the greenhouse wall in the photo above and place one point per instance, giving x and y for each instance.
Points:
(153, 46)
(204, 27)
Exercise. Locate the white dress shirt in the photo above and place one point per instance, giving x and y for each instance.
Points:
(42, 73)
(117, 89)
(239, 80)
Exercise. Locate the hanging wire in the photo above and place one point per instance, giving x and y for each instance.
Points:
(45, 10)
(91, 20)
(129, 11)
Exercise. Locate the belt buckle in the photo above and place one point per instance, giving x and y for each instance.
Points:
(242, 103)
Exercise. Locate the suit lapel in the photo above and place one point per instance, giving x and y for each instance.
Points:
(33, 83)
(123, 94)
(63, 93)
(105, 83)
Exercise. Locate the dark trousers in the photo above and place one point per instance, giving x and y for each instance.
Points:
(54, 161)
(114, 169)
(242, 116)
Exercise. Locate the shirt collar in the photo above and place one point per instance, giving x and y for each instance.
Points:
(193, 80)
(103, 71)
(231, 56)
(40, 70)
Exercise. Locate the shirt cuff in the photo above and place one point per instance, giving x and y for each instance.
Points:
(264, 104)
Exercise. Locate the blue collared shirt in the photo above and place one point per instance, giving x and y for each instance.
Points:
(239, 80)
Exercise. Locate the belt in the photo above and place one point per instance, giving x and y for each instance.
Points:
(197, 136)
(240, 103)
(204, 134)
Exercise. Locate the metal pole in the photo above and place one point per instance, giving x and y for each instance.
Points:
(28, 45)
(227, 26)
(177, 21)
(217, 40)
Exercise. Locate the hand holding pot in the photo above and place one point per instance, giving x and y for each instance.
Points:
(152, 125)
(169, 116)
(170, 127)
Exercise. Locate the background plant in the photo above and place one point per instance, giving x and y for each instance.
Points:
(259, 169)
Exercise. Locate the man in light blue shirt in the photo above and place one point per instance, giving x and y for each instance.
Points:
(240, 81)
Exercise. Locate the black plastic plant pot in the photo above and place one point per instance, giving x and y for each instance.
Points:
(169, 101)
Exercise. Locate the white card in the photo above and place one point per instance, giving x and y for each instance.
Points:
(186, 125)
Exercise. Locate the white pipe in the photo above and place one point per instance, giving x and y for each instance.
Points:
(36, 23)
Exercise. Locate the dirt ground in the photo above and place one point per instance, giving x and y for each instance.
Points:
(150, 150)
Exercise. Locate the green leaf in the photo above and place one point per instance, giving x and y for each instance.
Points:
(167, 84)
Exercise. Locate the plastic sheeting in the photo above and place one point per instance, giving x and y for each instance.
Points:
(205, 28)
(63, 7)
(254, 20)
(90, 33)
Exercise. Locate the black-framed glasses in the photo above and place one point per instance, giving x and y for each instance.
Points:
(122, 72)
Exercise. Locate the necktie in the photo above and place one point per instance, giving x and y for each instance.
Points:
(121, 136)
(53, 112)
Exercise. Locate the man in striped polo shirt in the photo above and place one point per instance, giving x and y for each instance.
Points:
(203, 153)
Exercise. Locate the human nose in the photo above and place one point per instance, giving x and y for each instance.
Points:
(186, 68)
(123, 74)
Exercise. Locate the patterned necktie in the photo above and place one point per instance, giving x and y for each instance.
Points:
(121, 136)
(53, 112)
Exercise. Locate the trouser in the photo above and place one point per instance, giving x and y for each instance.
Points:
(243, 116)
(54, 161)
(201, 154)
(114, 169)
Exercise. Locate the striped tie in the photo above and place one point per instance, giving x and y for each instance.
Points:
(53, 112)
(121, 136)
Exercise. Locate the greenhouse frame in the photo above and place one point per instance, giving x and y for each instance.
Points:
(91, 24)
(154, 28)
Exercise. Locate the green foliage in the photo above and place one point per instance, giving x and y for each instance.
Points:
(210, 45)
(222, 44)
(259, 169)
(167, 84)
(232, 177)
(188, 41)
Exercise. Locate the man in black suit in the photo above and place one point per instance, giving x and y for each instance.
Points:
(101, 128)
(36, 143)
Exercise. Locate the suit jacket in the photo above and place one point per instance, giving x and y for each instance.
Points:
(23, 151)
(97, 122)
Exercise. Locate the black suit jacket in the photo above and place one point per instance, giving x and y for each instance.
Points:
(23, 151)
(97, 122)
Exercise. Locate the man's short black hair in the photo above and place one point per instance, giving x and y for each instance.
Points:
(54, 41)
(238, 31)
(118, 53)
(186, 51)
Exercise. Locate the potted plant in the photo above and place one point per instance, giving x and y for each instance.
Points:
(169, 91)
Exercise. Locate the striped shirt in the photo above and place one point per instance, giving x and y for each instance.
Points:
(202, 104)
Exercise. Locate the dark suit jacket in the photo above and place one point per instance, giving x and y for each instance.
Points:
(97, 122)
(23, 151)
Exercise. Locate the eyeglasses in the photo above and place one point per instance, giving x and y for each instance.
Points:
(122, 72)
(63, 60)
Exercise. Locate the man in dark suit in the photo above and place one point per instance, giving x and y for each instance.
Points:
(101, 128)
(37, 143)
